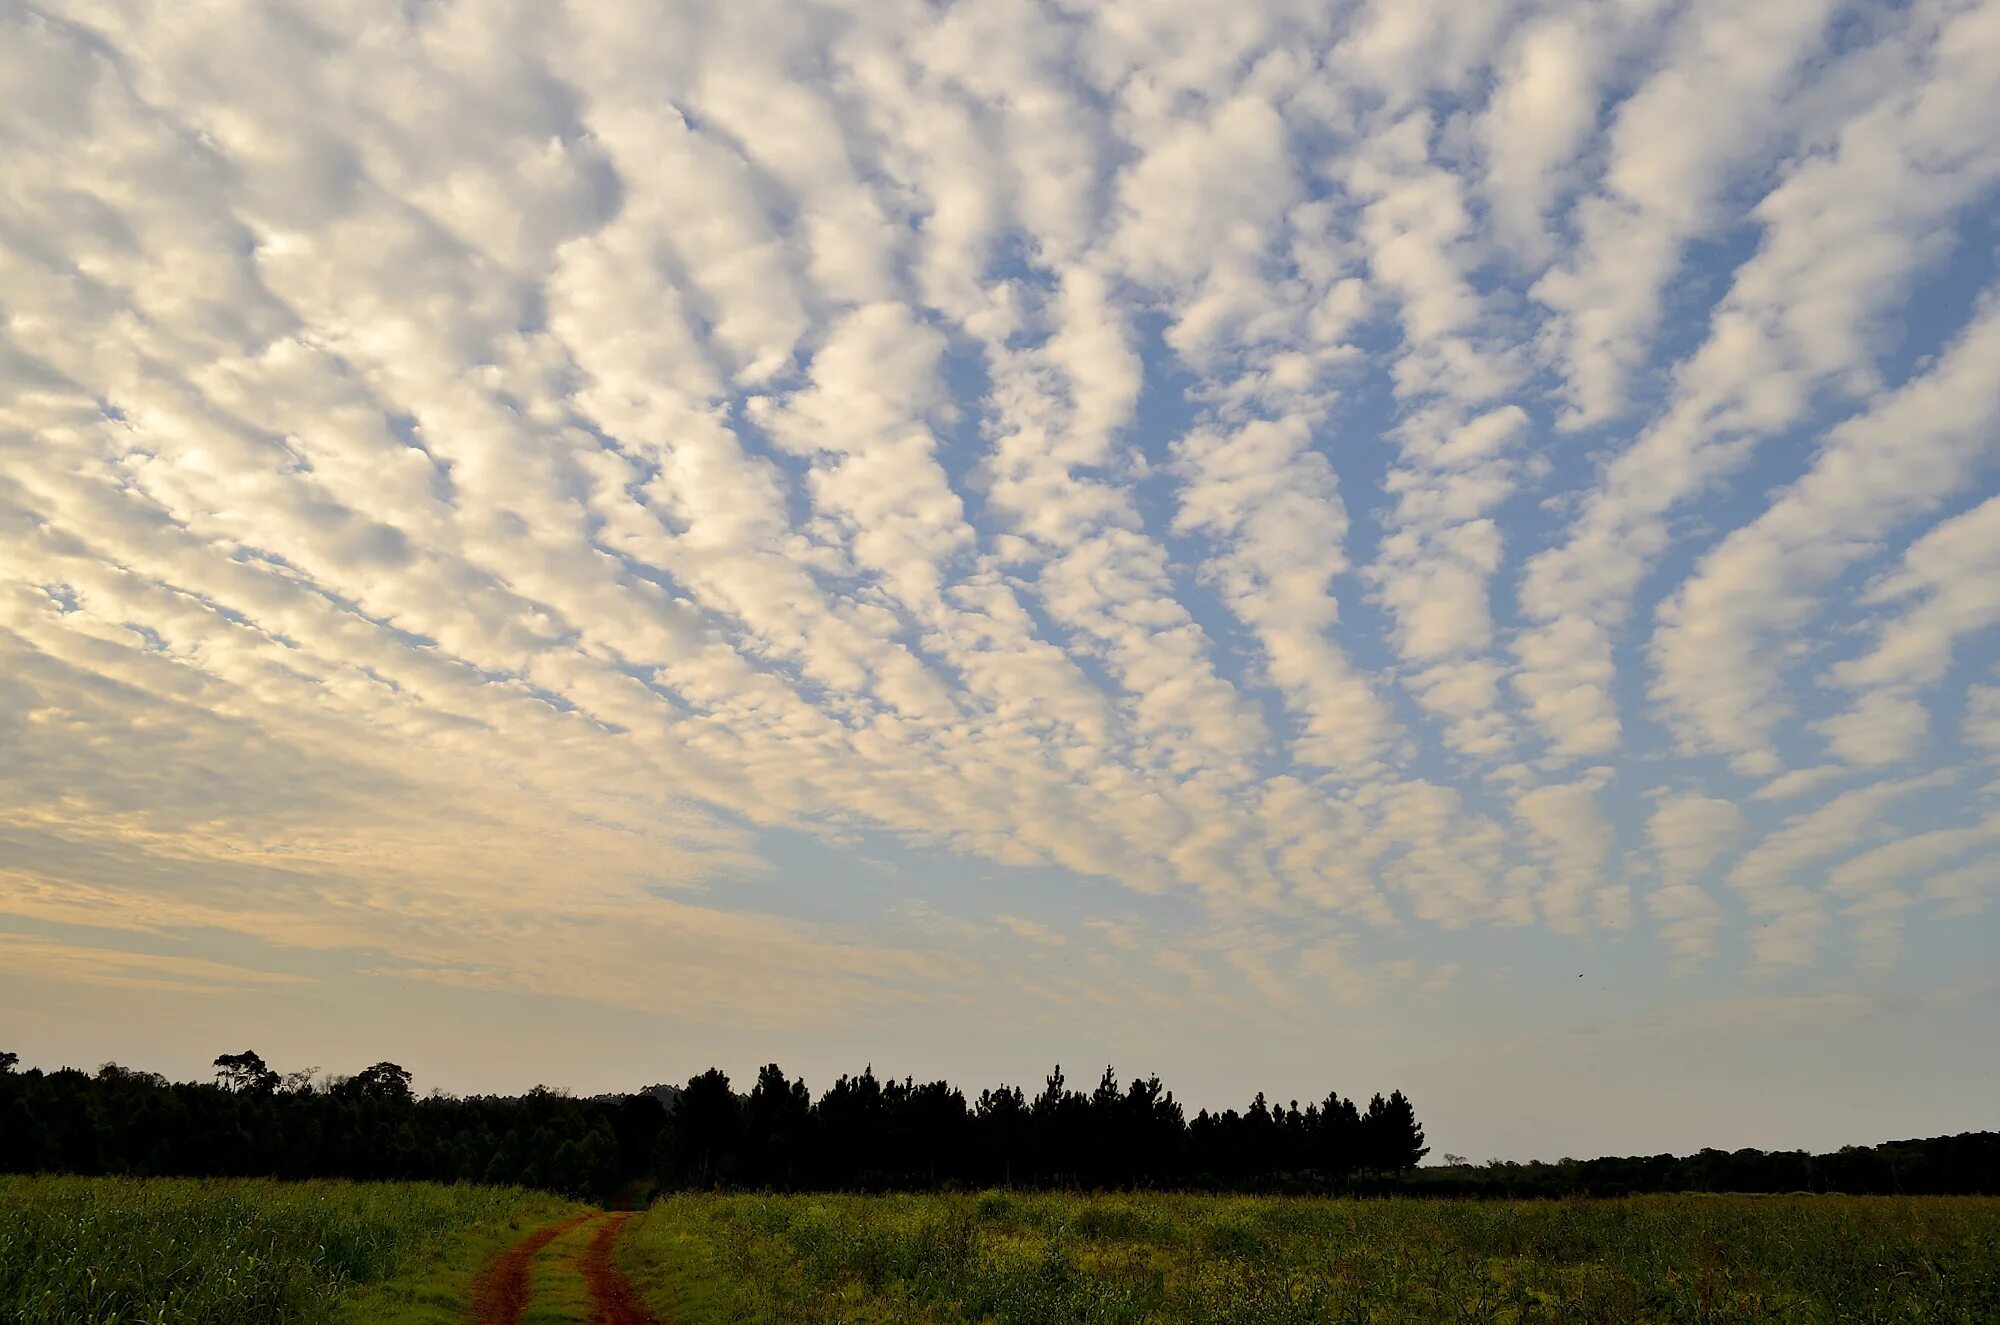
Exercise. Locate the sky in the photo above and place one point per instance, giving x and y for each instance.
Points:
(1293, 546)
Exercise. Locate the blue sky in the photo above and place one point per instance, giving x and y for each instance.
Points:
(1287, 545)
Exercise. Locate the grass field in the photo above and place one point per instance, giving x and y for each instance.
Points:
(109, 1251)
(1035, 1259)
(118, 1252)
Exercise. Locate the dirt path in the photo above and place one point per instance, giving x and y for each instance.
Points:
(610, 1290)
(501, 1294)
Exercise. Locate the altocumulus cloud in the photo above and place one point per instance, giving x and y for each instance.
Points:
(471, 473)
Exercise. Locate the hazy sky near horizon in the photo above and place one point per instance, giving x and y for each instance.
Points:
(1289, 545)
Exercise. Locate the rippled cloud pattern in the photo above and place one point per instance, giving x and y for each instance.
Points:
(1249, 484)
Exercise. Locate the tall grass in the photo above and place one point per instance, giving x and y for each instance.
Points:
(118, 1252)
(1030, 1259)
(111, 1251)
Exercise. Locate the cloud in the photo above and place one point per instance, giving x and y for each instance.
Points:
(1270, 499)
(1710, 108)
(1688, 833)
(1947, 577)
(1982, 718)
(1723, 636)
(1540, 116)
(481, 484)
(1800, 782)
(1793, 917)
(1962, 891)
(1881, 729)
(1576, 840)
(42, 959)
(1839, 245)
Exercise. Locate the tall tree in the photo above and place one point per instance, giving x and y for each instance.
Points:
(704, 1129)
(1391, 1138)
(245, 1073)
(775, 1119)
(383, 1081)
(1337, 1137)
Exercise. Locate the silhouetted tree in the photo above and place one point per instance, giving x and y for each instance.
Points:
(1151, 1127)
(384, 1081)
(703, 1130)
(848, 1132)
(1001, 1121)
(775, 1120)
(245, 1073)
(1336, 1137)
(1059, 1135)
(1391, 1138)
(931, 1131)
(863, 1133)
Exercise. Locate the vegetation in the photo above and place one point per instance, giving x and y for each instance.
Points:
(864, 1133)
(106, 1250)
(559, 1292)
(1963, 1165)
(1033, 1258)
(368, 1127)
(873, 1135)
(98, 1250)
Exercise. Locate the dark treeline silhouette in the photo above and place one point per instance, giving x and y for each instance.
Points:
(1964, 1165)
(868, 1133)
(865, 1133)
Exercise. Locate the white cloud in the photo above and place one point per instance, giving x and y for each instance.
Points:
(1724, 635)
(481, 473)
(1800, 782)
(1879, 729)
(1982, 717)
(1271, 499)
(1688, 833)
(1703, 115)
(1546, 108)
(1235, 160)
(1876, 871)
(1952, 574)
(1962, 891)
(1576, 840)
(1844, 232)
(1793, 917)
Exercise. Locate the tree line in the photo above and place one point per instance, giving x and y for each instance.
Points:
(864, 1133)
(868, 1132)
(1967, 1164)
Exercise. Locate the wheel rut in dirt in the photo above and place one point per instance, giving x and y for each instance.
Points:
(615, 1301)
(501, 1294)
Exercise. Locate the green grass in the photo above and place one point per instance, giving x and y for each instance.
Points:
(560, 1293)
(1030, 1259)
(112, 1251)
(121, 1252)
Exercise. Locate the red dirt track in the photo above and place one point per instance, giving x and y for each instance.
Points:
(610, 1290)
(501, 1294)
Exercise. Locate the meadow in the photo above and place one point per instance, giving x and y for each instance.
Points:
(168, 1251)
(112, 1251)
(1029, 1259)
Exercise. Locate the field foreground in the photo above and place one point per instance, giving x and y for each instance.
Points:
(173, 1251)
(112, 1250)
(1004, 1257)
